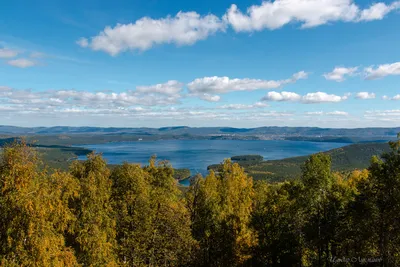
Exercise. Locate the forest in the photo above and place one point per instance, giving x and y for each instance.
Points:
(134, 215)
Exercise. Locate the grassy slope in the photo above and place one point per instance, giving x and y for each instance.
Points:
(356, 156)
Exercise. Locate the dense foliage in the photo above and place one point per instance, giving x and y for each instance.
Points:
(137, 216)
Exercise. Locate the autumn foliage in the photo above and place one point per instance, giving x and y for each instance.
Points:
(138, 216)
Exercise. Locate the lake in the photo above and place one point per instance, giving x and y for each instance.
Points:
(196, 155)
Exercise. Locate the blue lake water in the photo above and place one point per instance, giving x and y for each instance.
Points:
(196, 155)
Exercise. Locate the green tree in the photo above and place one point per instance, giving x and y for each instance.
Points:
(275, 222)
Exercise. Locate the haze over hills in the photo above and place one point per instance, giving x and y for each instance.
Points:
(208, 131)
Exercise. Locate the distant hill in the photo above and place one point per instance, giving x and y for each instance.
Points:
(355, 156)
(184, 132)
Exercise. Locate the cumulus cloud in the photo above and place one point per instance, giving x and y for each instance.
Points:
(321, 97)
(8, 53)
(365, 95)
(381, 71)
(186, 28)
(281, 96)
(21, 63)
(339, 73)
(220, 85)
(378, 11)
(310, 98)
(309, 13)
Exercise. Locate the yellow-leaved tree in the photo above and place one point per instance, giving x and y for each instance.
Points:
(221, 207)
(34, 211)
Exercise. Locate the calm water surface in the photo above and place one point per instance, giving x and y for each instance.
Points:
(196, 155)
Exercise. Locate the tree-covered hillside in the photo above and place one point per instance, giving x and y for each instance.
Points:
(344, 159)
(130, 215)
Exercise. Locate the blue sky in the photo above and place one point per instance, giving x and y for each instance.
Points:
(326, 63)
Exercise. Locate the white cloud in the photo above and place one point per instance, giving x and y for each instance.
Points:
(83, 42)
(383, 115)
(4, 88)
(169, 88)
(314, 113)
(208, 97)
(309, 13)
(337, 113)
(378, 11)
(21, 63)
(220, 85)
(321, 97)
(339, 73)
(365, 95)
(310, 98)
(396, 97)
(56, 100)
(186, 28)
(331, 113)
(381, 71)
(283, 96)
(243, 106)
(8, 53)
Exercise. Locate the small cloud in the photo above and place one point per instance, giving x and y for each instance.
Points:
(208, 97)
(321, 97)
(169, 88)
(310, 98)
(337, 113)
(283, 96)
(332, 113)
(221, 85)
(22, 63)
(396, 97)
(314, 113)
(378, 11)
(83, 42)
(365, 95)
(8, 53)
(339, 74)
(381, 71)
(243, 106)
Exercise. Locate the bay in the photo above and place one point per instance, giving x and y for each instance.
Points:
(196, 155)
